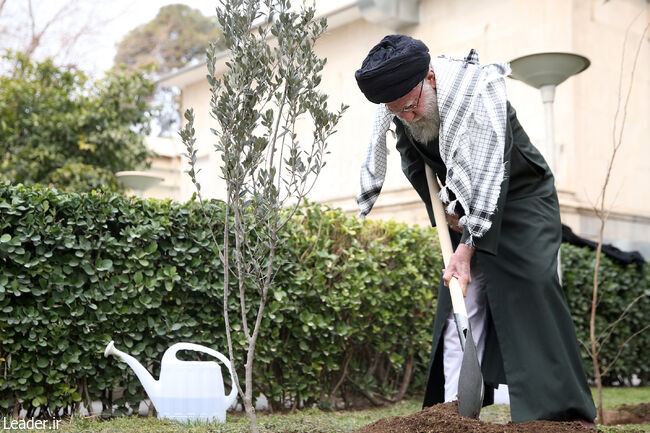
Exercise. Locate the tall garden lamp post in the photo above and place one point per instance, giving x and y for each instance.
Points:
(544, 71)
(137, 181)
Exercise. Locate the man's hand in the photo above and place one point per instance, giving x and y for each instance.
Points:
(459, 267)
(452, 220)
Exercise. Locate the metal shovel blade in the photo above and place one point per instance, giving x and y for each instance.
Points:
(470, 382)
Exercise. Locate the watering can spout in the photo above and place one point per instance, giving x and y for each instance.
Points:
(151, 385)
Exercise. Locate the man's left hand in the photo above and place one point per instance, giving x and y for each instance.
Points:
(459, 267)
(452, 220)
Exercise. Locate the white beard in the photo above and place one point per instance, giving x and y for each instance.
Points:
(426, 127)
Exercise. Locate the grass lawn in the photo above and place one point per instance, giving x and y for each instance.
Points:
(317, 421)
(615, 397)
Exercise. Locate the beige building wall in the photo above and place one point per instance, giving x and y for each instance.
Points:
(167, 166)
(599, 33)
(500, 31)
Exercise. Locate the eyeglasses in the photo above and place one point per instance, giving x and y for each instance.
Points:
(411, 107)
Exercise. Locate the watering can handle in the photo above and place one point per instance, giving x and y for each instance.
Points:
(171, 353)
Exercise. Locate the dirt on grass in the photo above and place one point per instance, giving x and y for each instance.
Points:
(628, 414)
(444, 418)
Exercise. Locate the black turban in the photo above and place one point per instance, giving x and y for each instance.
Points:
(393, 68)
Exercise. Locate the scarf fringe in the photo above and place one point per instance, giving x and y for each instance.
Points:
(444, 194)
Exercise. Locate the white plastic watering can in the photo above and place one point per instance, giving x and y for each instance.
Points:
(186, 390)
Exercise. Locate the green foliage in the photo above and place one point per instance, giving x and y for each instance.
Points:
(82, 269)
(619, 286)
(349, 305)
(59, 128)
(259, 100)
(177, 36)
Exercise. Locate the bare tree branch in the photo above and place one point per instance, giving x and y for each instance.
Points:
(617, 141)
(37, 35)
(607, 332)
(618, 106)
(69, 41)
(622, 346)
(32, 25)
(62, 30)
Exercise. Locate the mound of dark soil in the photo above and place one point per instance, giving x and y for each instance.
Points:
(628, 414)
(444, 418)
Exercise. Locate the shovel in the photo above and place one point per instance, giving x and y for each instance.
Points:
(470, 381)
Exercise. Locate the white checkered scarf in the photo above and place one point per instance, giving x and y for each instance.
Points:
(472, 106)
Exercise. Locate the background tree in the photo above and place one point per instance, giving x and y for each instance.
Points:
(61, 29)
(176, 37)
(267, 171)
(59, 128)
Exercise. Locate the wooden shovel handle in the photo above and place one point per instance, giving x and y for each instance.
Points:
(445, 241)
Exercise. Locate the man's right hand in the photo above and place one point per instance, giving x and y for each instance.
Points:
(459, 267)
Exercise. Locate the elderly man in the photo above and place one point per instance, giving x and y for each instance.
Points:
(502, 206)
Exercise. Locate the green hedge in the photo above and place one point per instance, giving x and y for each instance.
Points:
(350, 297)
(81, 269)
(349, 293)
(619, 286)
